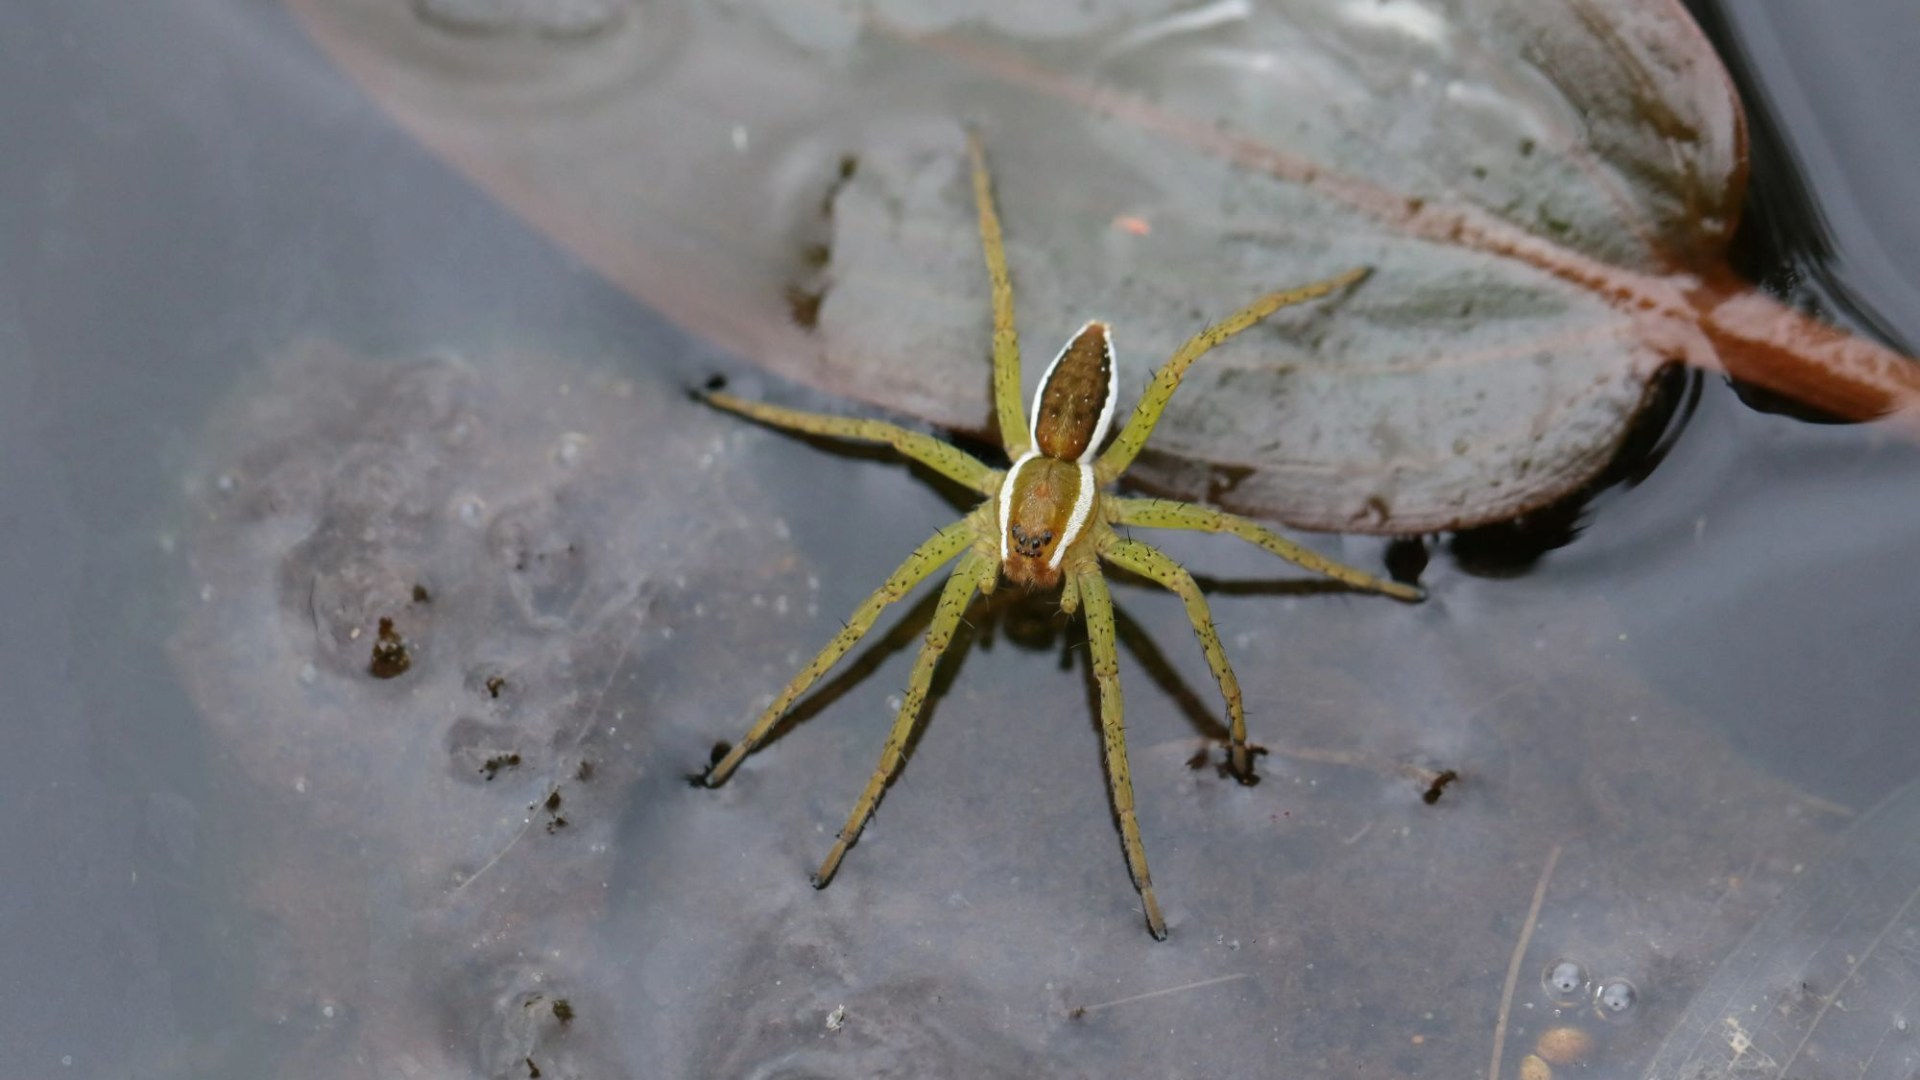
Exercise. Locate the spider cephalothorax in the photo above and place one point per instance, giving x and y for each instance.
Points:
(1045, 524)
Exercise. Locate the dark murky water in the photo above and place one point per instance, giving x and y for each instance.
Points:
(271, 375)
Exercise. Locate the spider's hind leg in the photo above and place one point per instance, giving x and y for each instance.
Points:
(954, 598)
(1156, 565)
(1098, 605)
(920, 565)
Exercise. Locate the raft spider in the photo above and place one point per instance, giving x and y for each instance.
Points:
(1047, 522)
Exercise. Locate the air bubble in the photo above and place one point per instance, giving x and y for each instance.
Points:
(471, 510)
(1615, 999)
(1565, 981)
(570, 449)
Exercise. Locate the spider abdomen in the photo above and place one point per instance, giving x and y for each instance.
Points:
(1074, 406)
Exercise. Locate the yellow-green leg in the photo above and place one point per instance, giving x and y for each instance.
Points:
(927, 558)
(949, 461)
(1006, 341)
(954, 598)
(1152, 563)
(1167, 514)
(1126, 446)
(1098, 604)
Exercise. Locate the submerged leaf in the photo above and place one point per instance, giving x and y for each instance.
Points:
(1545, 191)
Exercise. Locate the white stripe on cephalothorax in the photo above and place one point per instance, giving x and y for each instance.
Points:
(1006, 499)
(1106, 407)
(1082, 510)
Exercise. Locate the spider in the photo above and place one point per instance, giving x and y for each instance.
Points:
(1047, 522)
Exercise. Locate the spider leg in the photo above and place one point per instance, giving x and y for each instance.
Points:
(1126, 446)
(1152, 563)
(954, 599)
(1098, 605)
(1006, 341)
(948, 460)
(1168, 514)
(927, 558)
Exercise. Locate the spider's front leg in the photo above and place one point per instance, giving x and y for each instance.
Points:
(1126, 445)
(944, 458)
(1169, 514)
(1014, 435)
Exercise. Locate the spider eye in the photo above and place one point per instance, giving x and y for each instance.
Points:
(1026, 543)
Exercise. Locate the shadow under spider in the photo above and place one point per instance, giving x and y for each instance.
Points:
(1034, 622)
(1031, 621)
(1204, 711)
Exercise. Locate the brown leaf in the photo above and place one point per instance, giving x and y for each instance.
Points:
(1546, 192)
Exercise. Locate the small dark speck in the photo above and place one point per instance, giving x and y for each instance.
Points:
(803, 305)
(1440, 781)
(716, 383)
(495, 684)
(584, 772)
(553, 801)
(390, 658)
(498, 762)
(563, 1010)
(556, 825)
(719, 751)
(1407, 559)
(533, 1071)
(421, 595)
